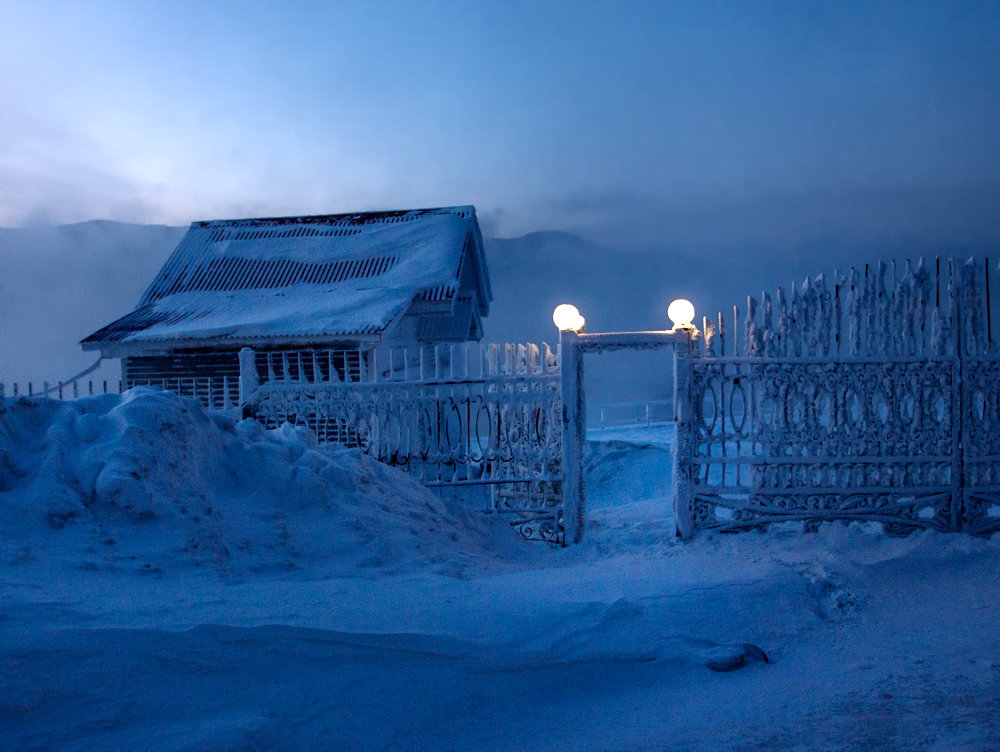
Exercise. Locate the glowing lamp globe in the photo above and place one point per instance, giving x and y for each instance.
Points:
(566, 317)
(681, 313)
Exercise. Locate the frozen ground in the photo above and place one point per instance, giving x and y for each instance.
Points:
(332, 604)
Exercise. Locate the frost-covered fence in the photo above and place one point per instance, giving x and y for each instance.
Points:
(483, 418)
(874, 395)
(215, 393)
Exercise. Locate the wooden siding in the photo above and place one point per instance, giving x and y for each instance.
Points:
(213, 375)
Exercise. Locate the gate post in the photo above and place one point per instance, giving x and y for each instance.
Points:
(574, 434)
(683, 500)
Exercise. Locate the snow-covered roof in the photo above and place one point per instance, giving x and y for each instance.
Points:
(338, 275)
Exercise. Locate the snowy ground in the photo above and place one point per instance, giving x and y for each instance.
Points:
(332, 604)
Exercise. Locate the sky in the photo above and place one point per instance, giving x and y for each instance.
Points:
(698, 122)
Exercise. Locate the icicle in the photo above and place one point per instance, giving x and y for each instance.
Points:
(551, 361)
(972, 309)
(710, 336)
(854, 315)
(795, 324)
(902, 316)
(938, 344)
(865, 321)
(988, 295)
(768, 326)
(921, 306)
(838, 288)
(781, 343)
(821, 319)
(880, 329)
(534, 359)
(954, 333)
(736, 331)
(492, 362)
(753, 333)
(809, 317)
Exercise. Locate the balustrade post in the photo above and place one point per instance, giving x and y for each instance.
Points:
(249, 381)
(574, 435)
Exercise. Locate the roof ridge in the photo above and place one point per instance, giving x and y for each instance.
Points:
(345, 218)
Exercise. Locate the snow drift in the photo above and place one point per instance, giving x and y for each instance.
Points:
(153, 481)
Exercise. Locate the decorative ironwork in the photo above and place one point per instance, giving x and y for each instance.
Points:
(493, 428)
(787, 440)
(872, 401)
(981, 444)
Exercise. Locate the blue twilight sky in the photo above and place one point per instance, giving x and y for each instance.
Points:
(705, 120)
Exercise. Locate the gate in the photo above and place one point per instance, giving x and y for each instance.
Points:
(878, 400)
(477, 421)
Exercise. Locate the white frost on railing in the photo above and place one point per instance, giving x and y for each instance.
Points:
(878, 399)
(462, 415)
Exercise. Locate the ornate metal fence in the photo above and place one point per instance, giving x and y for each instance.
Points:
(480, 422)
(878, 399)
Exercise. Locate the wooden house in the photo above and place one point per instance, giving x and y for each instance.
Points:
(341, 285)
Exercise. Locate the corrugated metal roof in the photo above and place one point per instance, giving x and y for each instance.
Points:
(268, 253)
(257, 314)
(438, 293)
(240, 273)
(300, 276)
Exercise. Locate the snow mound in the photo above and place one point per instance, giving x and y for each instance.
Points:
(622, 471)
(151, 481)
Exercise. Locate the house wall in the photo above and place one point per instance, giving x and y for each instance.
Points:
(213, 375)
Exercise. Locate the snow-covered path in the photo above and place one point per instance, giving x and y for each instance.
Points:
(897, 648)
(875, 643)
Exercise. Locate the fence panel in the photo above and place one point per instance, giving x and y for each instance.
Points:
(485, 419)
(877, 400)
(981, 444)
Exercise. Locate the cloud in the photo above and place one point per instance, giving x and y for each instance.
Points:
(54, 175)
